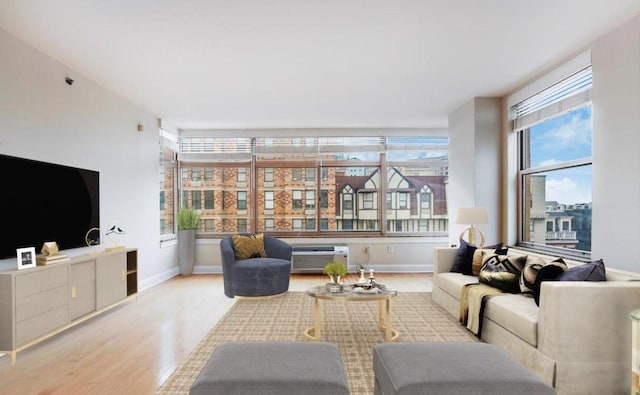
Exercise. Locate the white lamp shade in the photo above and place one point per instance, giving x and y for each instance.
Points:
(472, 216)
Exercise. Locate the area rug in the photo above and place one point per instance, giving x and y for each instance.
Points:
(351, 325)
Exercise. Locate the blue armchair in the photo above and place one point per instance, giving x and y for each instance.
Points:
(256, 276)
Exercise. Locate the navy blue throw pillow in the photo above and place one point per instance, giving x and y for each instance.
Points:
(464, 256)
(590, 271)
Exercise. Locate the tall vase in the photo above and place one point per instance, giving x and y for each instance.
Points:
(186, 251)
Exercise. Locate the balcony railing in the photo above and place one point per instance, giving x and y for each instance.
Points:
(562, 235)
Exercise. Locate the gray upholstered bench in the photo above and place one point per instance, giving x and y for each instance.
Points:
(451, 368)
(283, 368)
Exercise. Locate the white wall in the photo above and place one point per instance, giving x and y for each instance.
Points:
(84, 125)
(474, 164)
(616, 147)
(615, 59)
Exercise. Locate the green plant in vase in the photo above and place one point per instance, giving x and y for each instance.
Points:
(335, 270)
(188, 218)
(188, 223)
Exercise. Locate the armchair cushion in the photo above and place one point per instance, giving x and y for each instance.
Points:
(250, 246)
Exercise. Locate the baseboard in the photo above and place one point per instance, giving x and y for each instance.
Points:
(207, 269)
(157, 279)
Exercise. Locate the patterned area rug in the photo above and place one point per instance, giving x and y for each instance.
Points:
(351, 325)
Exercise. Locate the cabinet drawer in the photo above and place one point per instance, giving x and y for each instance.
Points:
(34, 305)
(42, 280)
(41, 325)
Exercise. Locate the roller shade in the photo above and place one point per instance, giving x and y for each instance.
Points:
(567, 94)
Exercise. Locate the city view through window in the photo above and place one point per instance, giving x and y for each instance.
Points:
(316, 186)
(556, 181)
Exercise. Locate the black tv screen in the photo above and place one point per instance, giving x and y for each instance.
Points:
(44, 202)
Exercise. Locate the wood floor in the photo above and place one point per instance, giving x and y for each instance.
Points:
(133, 348)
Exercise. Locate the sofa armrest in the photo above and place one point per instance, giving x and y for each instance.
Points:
(443, 258)
(582, 321)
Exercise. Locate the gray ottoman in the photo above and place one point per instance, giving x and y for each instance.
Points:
(296, 368)
(450, 368)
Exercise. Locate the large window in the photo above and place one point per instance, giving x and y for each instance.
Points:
(319, 185)
(167, 176)
(555, 161)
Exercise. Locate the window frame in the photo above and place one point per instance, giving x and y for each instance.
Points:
(535, 110)
(311, 179)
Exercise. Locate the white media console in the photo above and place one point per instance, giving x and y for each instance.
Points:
(40, 302)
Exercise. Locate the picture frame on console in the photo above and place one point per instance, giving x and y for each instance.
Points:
(26, 257)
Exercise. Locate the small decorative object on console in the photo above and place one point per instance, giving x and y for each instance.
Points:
(26, 257)
(50, 254)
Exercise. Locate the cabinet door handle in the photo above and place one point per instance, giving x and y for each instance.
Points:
(73, 291)
(124, 274)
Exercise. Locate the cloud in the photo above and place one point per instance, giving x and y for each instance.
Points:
(561, 138)
(549, 162)
(571, 131)
(567, 191)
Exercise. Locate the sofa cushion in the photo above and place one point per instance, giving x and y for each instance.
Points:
(250, 246)
(464, 256)
(452, 283)
(516, 313)
(591, 271)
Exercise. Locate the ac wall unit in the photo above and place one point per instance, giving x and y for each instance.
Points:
(311, 259)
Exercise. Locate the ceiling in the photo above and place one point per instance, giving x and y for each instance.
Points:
(204, 64)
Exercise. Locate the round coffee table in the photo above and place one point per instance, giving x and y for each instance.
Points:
(350, 294)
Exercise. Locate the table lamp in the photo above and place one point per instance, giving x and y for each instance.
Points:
(473, 216)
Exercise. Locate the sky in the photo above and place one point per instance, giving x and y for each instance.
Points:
(559, 139)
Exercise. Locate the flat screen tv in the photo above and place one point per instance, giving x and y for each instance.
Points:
(43, 202)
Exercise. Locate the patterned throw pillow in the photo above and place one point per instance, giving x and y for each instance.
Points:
(502, 272)
(246, 247)
(480, 255)
(529, 273)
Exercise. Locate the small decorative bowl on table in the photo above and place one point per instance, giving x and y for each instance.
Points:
(368, 287)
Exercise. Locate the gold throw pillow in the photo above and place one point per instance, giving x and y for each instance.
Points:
(246, 247)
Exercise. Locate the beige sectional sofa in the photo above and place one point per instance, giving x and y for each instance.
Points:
(578, 340)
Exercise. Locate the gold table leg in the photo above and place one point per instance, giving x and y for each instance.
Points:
(384, 320)
(317, 328)
(318, 320)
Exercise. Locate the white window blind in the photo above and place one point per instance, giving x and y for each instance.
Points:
(567, 94)
(195, 149)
